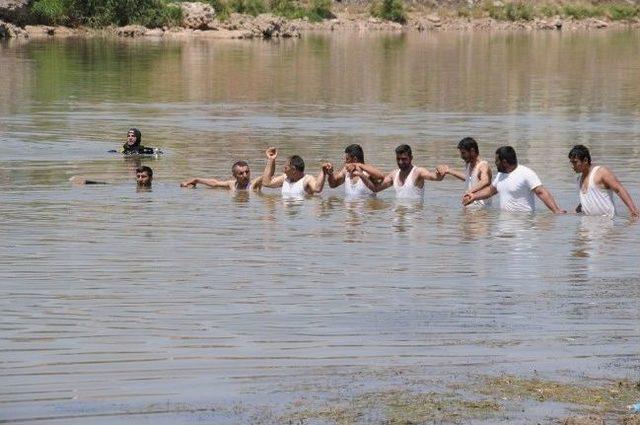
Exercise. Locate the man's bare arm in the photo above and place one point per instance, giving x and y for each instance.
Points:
(610, 181)
(316, 184)
(429, 175)
(545, 196)
(333, 179)
(269, 170)
(484, 193)
(484, 178)
(256, 184)
(375, 187)
(214, 183)
(444, 170)
(374, 173)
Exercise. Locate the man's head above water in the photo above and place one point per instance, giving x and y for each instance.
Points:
(144, 176)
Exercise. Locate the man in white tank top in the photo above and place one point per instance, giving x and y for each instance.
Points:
(477, 172)
(294, 182)
(596, 185)
(353, 185)
(241, 180)
(516, 185)
(407, 180)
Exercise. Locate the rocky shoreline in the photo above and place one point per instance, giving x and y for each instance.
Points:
(200, 20)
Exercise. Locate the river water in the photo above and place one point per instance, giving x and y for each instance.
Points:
(179, 305)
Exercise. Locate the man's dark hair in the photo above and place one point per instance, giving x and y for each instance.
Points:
(356, 152)
(296, 162)
(581, 152)
(136, 133)
(145, 169)
(507, 153)
(404, 149)
(238, 164)
(468, 143)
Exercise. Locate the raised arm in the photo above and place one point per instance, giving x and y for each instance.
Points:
(484, 193)
(545, 196)
(334, 179)
(269, 170)
(610, 181)
(374, 173)
(375, 187)
(444, 170)
(316, 184)
(207, 182)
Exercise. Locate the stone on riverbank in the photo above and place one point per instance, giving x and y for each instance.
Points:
(265, 26)
(198, 16)
(14, 11)
(8, 30)
(131, 31)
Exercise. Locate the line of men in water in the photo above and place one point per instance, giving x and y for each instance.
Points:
(516, 185)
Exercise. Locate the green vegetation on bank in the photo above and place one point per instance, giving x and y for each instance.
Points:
(525, 11)
(389, 10)
(159, 13)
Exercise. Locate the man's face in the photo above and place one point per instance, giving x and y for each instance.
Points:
(404, 161)
(350, 159)
(242, 175)
(466, 155)
(578, 165)
(143, 179)
(290, 171)
(131, 138)
(500, 165)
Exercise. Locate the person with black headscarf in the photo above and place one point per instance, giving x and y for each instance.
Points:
(133, 145)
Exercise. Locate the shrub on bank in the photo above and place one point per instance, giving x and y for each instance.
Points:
(525, 11)
(390, 10)
(150, 13)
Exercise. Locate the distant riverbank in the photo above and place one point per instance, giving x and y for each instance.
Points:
(195, 19)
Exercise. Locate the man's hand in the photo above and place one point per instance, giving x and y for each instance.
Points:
(468, 198)
(327, 167)
(272, 153)
(442, 170)
(188, 183)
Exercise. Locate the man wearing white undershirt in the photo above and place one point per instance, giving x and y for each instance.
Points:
(294, 182)
(516, 185)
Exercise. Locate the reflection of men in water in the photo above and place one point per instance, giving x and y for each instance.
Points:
(241, 179)
(407, 180)
(477, 172)
(144, 176)
(516, 185)
(294, 182)
(353, 185)
(596, 185)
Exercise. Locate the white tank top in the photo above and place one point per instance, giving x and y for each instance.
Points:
(408, 190)
(294, 190)
(595, 201)
(471, 178)
(357, 189)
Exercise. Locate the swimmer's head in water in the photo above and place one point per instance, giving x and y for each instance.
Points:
(134, 137)
(404, 157)
(294, 168)
(468, 148)
(580, 158)
(144, 176)
(506, 159)
(241, 173)
(353, 154)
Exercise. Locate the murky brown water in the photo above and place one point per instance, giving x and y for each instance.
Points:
(177, 306)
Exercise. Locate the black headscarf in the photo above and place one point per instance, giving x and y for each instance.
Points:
(136, 146)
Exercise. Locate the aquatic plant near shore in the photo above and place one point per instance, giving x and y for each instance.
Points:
(390, 10)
